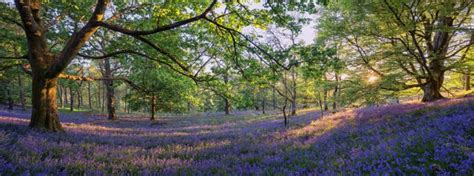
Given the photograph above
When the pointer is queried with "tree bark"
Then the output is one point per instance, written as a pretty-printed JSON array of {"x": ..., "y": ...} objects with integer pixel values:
[
  {"x": 89, "y": 96},
  {"x": 274, "y": 101},
  {"x": 467, "y": 81},
  {"x": 71, "y": 99},
  {"x": 60, "y": 93},
  {"x": 226, "y": 106},
  {"x": 153, "y": 107},
  {"x": 64, "y": 90},
  {"x": 9, "y": 98},
  {"x": 335, "y": 93},
  {"x": 47, "y": 66},
  {"x": 293, "y": 93},
  {"x": 44, "y": 114},
  {"x": 109, "y": 84}
]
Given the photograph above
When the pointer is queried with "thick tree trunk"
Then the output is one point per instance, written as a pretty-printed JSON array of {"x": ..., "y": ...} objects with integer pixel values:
[
  {"x": 22, "y": 94},
  {"x": 431, "y": 91},
  {"x": 47, "y": 66},
  {"x": 44, "y": 114},
  {"x": 153, "y": 107}
]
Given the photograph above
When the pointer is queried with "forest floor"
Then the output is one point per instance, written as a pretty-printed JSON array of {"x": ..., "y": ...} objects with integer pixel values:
[{"x": 429, "y": 138}]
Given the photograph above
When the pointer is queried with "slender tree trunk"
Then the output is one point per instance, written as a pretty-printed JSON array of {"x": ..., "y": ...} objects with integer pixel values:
[
  {"x": 325, "y": 97},
  {"x": 293, "y": 93},
  {"x": 467, "y": 81},
  {"x": 335, "y": 93},
  {"x": 285, "y": 116},
  {"x": 79, "y": 97},
  {"x": 321, "y": 105},
  {"x": 263, "y": 104},
  {"x": 64, "y": 90},
  {"x": 99, "y": 96},
  {"x": 60, "y": 93},
  {"x": 274, "y": 101},
  {"x": 22, "y": 94},
  {"x": 104, "y": 97},
  {"x": 153, "y": 107},
  {"x": 71, "y": 99},
  {"x": 44, "y": 112},
  {"x": 109, "y": 84},
  {"x": 189, "y": 106},
  {"x": 89, "y": 96},
  {"x": 9, "y": 98}
]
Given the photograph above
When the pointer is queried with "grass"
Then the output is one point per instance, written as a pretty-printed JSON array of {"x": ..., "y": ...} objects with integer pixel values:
[{"x": 409, "y": 138}]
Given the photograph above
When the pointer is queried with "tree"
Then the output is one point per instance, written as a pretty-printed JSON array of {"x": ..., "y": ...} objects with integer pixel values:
[
  {"x": 47, "y": 65},
  {"x": 408, "y": 44}
]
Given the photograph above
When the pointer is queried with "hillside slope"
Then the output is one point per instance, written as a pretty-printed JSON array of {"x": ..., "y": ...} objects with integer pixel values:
[{"x": 403, "y": 138}]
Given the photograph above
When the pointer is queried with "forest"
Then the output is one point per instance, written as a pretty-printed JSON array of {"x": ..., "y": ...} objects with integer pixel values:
[{"x": 236, "y": 87}]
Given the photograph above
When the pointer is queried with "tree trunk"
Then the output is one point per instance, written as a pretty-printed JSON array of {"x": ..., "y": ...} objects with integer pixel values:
[
  {"x": 71, "y": 99},
  {"x": 274, "y": 101},
  {"x": 431, "y": 91},
  {"x": 46, "y": 66},
  {"x": 111, "y": 101},
  {"x": 293, "y": 93},
  {"x": 263, "y": 104},
  {"x": 153, "y": 107},
  {"x": 60, "y": 93},
  {"x": 467, "y": 81},
  {"x": 226, "y": 106},
  {"x": 22, "y": 94},
  {"x": 44, "y": 114},
  {"x": 99, "y": 97},
  {"x": 335, "y": 93},
  {"x": 325, "y": 102},
  {"x": 9, "y": 98},
  {"x": 109, "y": 85},
  {"x": 79, "y": 98},
  {"x": 89, "y": 96},
  {"x": 285, "y": 116},
  {"x": 64, "y": 90}
]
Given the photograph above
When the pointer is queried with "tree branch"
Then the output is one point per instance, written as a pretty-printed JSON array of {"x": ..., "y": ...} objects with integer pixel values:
[{"x": 158, "y": 29}]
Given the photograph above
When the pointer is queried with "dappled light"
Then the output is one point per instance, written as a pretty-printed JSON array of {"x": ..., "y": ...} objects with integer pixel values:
[{"x": 221, "y": 87}]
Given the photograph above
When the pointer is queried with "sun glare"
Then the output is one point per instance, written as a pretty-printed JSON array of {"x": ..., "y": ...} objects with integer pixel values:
[{"x": 372, "y": 79}]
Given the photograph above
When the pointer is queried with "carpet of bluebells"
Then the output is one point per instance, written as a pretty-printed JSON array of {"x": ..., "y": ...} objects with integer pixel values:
[{"x": 398, "y": 139}]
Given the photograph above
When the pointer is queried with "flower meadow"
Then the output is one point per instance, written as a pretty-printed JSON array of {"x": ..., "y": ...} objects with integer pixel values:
[{"x": 398, "y": 139}]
